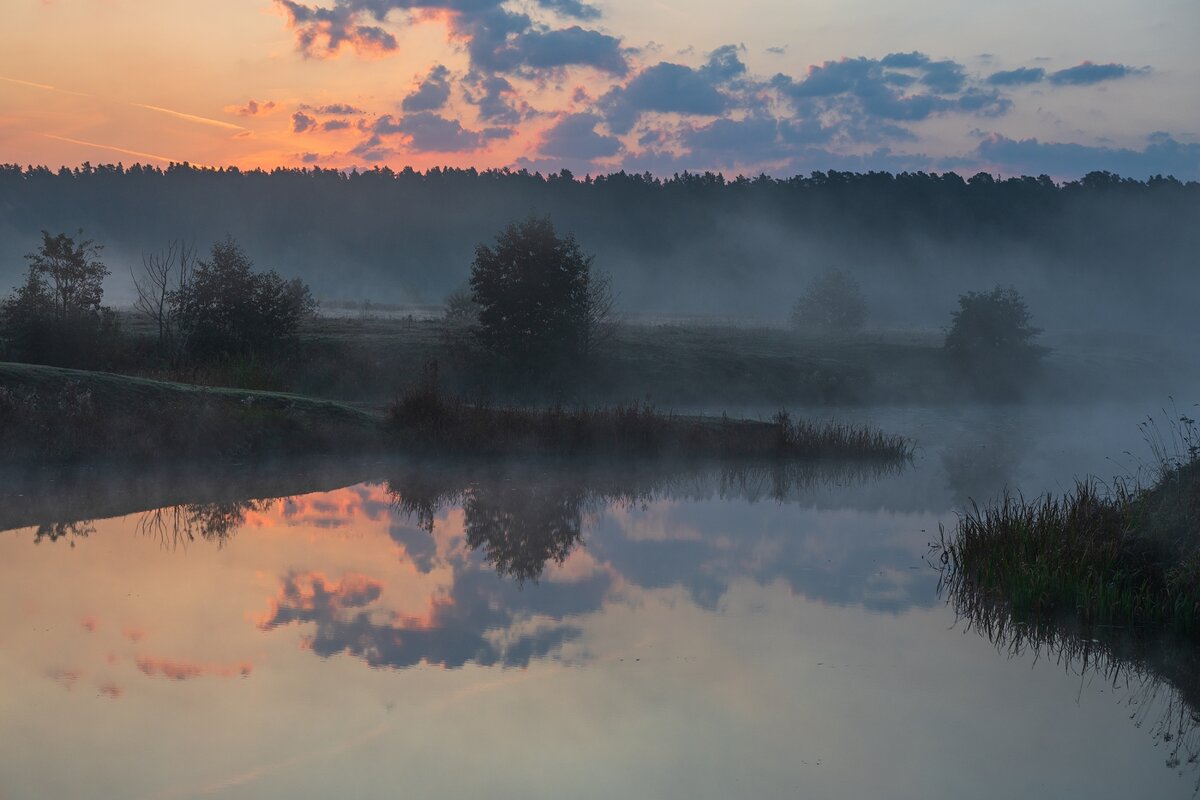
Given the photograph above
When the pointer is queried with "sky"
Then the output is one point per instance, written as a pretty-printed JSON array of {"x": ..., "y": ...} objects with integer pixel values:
[{"x": 594, "y": 86}]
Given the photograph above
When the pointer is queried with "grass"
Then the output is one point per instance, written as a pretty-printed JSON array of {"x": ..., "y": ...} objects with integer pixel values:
[
  {"x": 50, "y": 413},
  {"x": 425, "y": 417},
  {"x": 1123, "y": 556},
  {"x": 54, "y": 414}
]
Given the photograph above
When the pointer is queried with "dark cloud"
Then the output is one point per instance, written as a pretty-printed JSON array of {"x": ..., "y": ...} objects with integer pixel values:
[
  {"x": 335, "y": 125},
  {"x": 1162, "y": 155},
  {"x": 428, "y": 132},
  {"x": 1017, "y": 77},
  {"x": 333, "y": 109},
  {"x": 498, "y": 40},
  {"x": 724, "y": 64},
  {"x": 944, "y": 77},
  {"x": 571, "y": 8},
  {"x": 572, "y": 46},
  {"x": 302, "y": 122},
  {"x": 253, "y": 108},
  {"x": 665, "y": 87},
  {"x": 574, "y": 137},
  {"x": 496, "y": 100},
  {"x": 1088, "y": 73},
  {"x": 457, "y": 630},
  {"x": 432, "y": 94},
  {"x": 321, "y": 32}
]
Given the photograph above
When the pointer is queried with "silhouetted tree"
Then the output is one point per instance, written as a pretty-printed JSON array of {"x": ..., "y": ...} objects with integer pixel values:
[
  {"x": 538, "y": 300},
  {"x": 163, "y": 272},
  {"x": 55, "y": 317},
  {"x": 229, "y": 310},
  {"x": 990, "y": 340},
  {"x": 833, "y": 303}
]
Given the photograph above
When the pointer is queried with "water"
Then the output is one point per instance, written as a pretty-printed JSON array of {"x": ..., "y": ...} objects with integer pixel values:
[{"x": 392, "y": 630}]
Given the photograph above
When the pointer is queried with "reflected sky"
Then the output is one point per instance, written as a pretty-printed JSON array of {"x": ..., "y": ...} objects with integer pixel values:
[{"x": 518, "y": 634}]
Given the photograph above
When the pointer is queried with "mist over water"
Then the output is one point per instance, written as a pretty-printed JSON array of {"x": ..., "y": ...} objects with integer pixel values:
[{"x": 696, "y": 629}]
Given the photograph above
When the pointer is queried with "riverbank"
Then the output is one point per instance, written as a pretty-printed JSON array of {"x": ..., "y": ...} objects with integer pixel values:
[
  {"x": 49, "y": 414},
  {"x": 1122, "y": 556}
]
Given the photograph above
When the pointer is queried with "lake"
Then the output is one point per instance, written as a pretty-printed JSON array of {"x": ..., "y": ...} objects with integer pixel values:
[{"x": 550, "y": 630}]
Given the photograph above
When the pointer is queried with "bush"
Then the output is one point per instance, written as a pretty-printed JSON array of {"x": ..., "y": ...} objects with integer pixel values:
[
  {"x": 538, "y": 301},
  {"x": 833, "y": 303},
  {"x": 55, "y": 317},
  {"x": 227, "y": 312},
  {"x": 990, "y": 341}
]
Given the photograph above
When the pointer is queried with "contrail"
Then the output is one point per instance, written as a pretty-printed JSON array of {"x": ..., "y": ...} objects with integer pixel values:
[
  {"x": 191, "y": 117},
  {"x": 180, "y": 114},
  {"x": 118, "y": 149},
  {"x": 29, "y": 83}
]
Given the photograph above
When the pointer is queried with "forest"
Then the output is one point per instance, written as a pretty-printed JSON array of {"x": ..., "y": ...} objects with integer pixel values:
[{"x": 692, "y": 243}]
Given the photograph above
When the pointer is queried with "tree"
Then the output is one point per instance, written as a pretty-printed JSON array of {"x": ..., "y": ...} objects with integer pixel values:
[
  {"x": 163, "y": 272},
  {"x": 228, "y": 310},
  {"x": 538, "y": 299},
  {"x": 990, "y": 340},
  {"x": 56, "y": 316},
  {"x": 832, "y": 304}
]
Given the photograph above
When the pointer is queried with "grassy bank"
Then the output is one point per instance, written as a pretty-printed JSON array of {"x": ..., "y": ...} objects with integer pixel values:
[
  {"x": 53, "y": 414},
  {"x": 694, "y": 364},
  {"x": 1125, "y": 556}
]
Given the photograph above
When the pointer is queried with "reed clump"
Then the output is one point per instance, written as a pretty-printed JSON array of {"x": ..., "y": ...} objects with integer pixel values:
[
  {"x": 1119, "y": 555},
  {"x": 425, "y": 417}
]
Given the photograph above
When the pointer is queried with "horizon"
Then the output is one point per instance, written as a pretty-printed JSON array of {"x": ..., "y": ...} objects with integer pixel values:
[{"x": 599, "y": 87}]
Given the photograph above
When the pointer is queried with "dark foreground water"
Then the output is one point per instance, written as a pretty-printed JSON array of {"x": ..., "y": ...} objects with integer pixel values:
[{"x": 542, "y": 631}]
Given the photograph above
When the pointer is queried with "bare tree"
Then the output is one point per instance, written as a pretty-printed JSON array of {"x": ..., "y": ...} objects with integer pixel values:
[
  {"x": 601, "y": 312},
  {"x": 163, "y": 273}
]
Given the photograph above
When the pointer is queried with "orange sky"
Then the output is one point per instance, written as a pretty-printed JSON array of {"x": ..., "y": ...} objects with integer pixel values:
[{"x": 241, "y": 82}]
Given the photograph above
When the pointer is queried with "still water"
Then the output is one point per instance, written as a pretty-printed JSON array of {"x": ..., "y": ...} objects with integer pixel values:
[{"x": 555, "y": 630}]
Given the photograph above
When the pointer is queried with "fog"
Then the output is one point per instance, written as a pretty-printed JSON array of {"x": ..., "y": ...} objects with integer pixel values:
[{"x": 1100, "y": 253}]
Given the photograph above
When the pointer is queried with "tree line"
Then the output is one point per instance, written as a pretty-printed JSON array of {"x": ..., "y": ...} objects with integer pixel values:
[{"x": 410, "y": 234}]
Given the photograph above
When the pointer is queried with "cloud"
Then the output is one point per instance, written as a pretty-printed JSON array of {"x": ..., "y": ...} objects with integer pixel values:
[
  {"x": 1161, "y": 155},
  {"x": 178, "y": 670},
  {"x": 432, "y": 94},
  {"x": 333, "y": 109},
  {"x": 455, "y": 630},
  {"x": 495, "y": 99},
  {"x": 664, "y": 87},
  {"x": 1087, "y": 73},
  {"x": 571, "y": 8},
  {"x": 302, "y": 122},
  {"x": 498, "y": 40},
  {"x": 1017, "y": 77},
  {"x": 574, "y": 137},
  {"x": 724, "y": 64},
  {"x": 252, "y": 108},
  {"x": 335, "y": 125},
  {"x": 322, "y": 32},
  {"x": 426, "y": 132},
  {"x": 566, "y": 47}
]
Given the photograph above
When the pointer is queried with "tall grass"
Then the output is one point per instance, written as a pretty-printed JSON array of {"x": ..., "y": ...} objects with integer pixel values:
[
  {"x": 1121, "y": 555},
  {"x": 426, "y": 417}
]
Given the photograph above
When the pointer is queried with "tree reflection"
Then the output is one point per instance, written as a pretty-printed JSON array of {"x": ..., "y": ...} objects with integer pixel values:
[
  {"x": 523, "y": 515},
  {"x": 521, "y": 526},
  {"x": 181, "y": 524},
  {"x": 1159, "y": 673},
  {"x": 70, "y": 531}
]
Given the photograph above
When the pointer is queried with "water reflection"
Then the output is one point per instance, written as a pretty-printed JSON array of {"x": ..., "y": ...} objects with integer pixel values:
[{"x": 1159, "y": 674}]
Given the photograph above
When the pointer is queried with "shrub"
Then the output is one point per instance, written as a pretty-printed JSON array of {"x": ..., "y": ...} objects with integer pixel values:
[
  {"x": 833, "y": 303},
  {"x": 539, "y": 302},
  {"x": 228, "y": 312},
  {"x": 990, "y": 341},
  {"x": 55, "y": 317}
]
